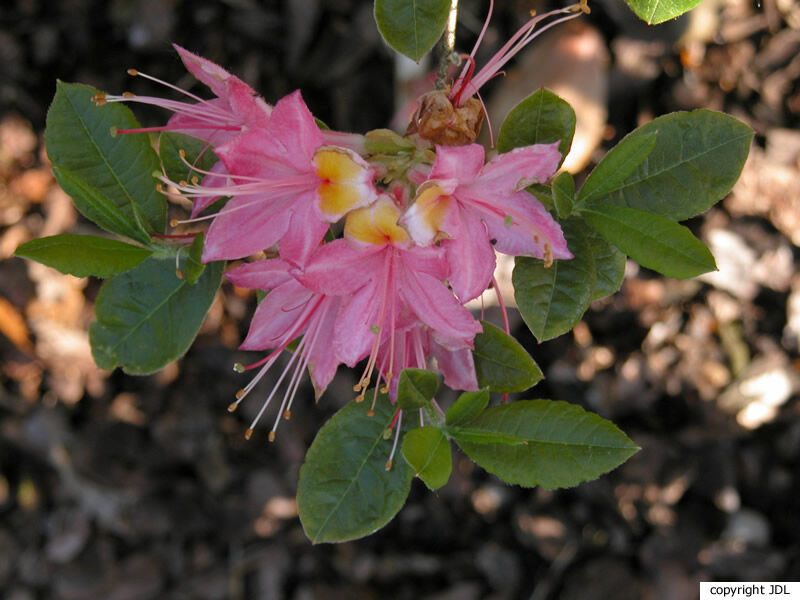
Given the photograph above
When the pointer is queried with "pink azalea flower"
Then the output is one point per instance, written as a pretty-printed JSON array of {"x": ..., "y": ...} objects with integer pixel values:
[
  {"x": 286, "y": 187},
  {"x": 236, "y": 107},
  {"x": 389, "y": 285},
  {"x": 473, "y": 208},
  {"x": 289, "y": 311}
]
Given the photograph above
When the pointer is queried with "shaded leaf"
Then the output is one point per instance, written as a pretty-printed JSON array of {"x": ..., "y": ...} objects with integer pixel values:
[
  {"x": 198, "y": 153},
  {"x": 427, "y": 450},
  {"x": 501, "y": 363},
  {"x": 468, "y": 406},
  {"x": 110, "y": 178},
  {"x": 84, "y": 255},
  {"x": 654, "y": 12},
  {"x": 654, "y": 242},
  {"x": 565, "y": 444},
  {"x": 551, "y": 300},
  {"x": 609, "y": 266},
  {"x": 148, "y": 317},
  {"x": 411, "y": 27},
  {"x": 696, "y": 159},
  {"x": 542, "y": 118},
  {"x": 345, "y": 491},
  {"x": 416, "y": 388},
  {"x": 563, "y": 194}
]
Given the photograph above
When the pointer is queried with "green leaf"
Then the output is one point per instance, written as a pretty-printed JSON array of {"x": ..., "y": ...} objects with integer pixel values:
[
  {"x": 147, "y": 317},
  {"x": 565, "y": 444},
  {"x": 345, "y": 491},
  {"x": 416, "y": 388},
  {"x": 552, "y": 299},
  {"x": 563, "y": 194},
  {"x": 110, "y": 178},
  {"x": 654, "y": 12},
  {"x": 617, "y": 166},
  {"x": 411, "y": 27},
  {"x": 198, "y": 153},
  {"x": 501, "y": 363},
  {"x": 468, "y": 406},
  {"x": 83, "y": 255},
  {"x": 695, "y": 161},
  {"x": 481, "y": 436},
  {"x": 654, "y": 242},
  {"x": 609, "y": 265},
  {"x": 427, "y": 450},
  {"x": 542, "y": 118},
  {"x": 194, "y": 267}
]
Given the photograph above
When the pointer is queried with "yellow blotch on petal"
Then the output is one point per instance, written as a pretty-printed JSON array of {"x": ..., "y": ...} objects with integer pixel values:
[
  {"x": 346, "y": 181},
  {"x": 376, "y": 224},
  {"x": 429, "y": 211}
]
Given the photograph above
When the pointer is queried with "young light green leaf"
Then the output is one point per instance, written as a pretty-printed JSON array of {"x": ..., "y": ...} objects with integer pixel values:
[
  {"x": 427, "y": 450},
  {"x": 411, "y": 27},
  {"x": 501, "y": 363},
  {"x": 468, "y": 406},
  {"x": 695, "y": 161},
  {"x": 109, "y": 177},
  {"x": 563, "y": 194},
  {"x": 653, "y": 241},
  {"x": 617, "y": 166},
  {"x": 609, "y": 265},
  {"x": 552, "y": 299},
  {"x": 565, "y": 444},
  {"x": 416, "y": 388},
  {"x": 542, "y": 118},
  {"x": 148, "y": 317},
  {"x": 654, "y": 12},
  {"x": 345, "y": 491},
  {"x": 194, "y": 266},
  {"x": 84, "y": 255},
  {"x": 196, "y": 152}
]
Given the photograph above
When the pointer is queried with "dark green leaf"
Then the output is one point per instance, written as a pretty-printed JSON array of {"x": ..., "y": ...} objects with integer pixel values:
[
  {"x": 147, "y": 317},
  {"x": 482, "y": 436},
  {"x": 551, "y": 300},
  {"x": 501, "y": 363},
  {"x": 427, "y": 450},
  {"x": 565, "y": 444},
  {"x": 617, "y": 166},
  {"x": 411, "y": 26},
  {"x": 654, "y": 242},
  {"x": 197, "y": 153},
  {"x": 563, "y": 194},
  {"x": 697, "y": 158},
  {"x": 609, "y": 266},
  {"x": 468, "y": 406},
  {"x": 654, "y": 12},
  {"x": 110, "y": 178},
  {"x": 84, "y": 255},
  {"x": 542, "y": 118},
  {"x": 416, "y": 388},
  {"x": 345, "y": 491}
]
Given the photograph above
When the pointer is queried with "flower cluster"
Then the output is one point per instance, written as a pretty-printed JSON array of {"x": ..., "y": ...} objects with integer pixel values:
[{"x": 375, "y": 241}]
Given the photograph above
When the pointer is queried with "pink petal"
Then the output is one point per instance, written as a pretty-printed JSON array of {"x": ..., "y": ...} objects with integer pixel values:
[
  {"x": 530, "y": 222},
  {"x": 252, "y": 110},
  {"x": 457, "y": 366},
  {"x": 304, "y": 233},
  {"x": 471, "y": 258},
  {"x": 293, "y": 126},
  {"x": 261, "y": 274},
  {"x": 323, "y": 361},
  {"x": 246, "y": 225},
  {"x": 437, "y": 308},
  {"x": 204, "y": 70},
  {"x": 458, "y": 162},
  {"x": 339, "y": 268},
  {"x": 517, "y": 169},
  {"x": 257, "y": 154},
  {"x": 353, "y": 334},
  {"x": 276, "y": 317},
  {"x": 426, "y": 259}
]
